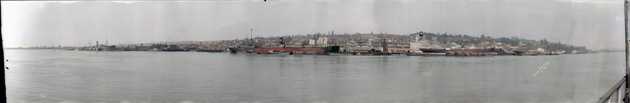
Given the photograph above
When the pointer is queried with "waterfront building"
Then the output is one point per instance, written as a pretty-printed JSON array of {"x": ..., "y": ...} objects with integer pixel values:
[
  {"x": 322, "y": 41},
  {"x": 398, "y": 50},
  {"x": 317, "y": 42},
  {"x": 311, "y": 42}
]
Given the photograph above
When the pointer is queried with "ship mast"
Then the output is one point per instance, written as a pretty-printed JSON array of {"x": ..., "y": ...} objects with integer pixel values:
[{"x": 251, "y": 37}]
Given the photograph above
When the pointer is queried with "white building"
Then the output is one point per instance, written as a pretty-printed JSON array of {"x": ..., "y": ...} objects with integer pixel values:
[
  {"x": 312, "y": 42},
  {"x": 322, "y": 41}
]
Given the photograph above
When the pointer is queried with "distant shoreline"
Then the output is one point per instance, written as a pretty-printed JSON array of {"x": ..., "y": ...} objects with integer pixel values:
[
  {"x": 334, "y": 54},
  {"x": 413, "y": 44}
]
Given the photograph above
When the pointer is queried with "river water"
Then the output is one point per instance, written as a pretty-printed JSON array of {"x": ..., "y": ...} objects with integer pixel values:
[{"x": 59, "y": 76}]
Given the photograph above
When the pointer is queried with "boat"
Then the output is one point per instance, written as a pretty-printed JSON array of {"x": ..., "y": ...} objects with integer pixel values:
[
  {"x": 171, "y": 48},
  {"x": 241, "y": 50},
  {"x": 210, "y": 50}
]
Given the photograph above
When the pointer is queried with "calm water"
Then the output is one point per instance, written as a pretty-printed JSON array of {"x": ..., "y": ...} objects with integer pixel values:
[{"x": 52, "y": 76}]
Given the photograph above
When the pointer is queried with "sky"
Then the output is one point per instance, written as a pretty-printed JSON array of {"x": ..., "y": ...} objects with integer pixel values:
[{"x": 596, "y": 24}]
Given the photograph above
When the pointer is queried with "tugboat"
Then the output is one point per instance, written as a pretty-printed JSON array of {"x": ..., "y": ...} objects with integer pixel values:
[
  {"x": 248, "y": 47},
  {"x": 209, "y": 50},
  {"x": 242, "y": 49}
]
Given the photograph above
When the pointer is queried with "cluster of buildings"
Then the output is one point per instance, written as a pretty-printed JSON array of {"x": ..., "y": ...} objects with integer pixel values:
[
  {"x": 200, "y": 46},
  {"x": 415, "y": 44}
]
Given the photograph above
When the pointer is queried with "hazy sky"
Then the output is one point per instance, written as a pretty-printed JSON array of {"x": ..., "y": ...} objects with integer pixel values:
[{"x": 593, "y": 23}]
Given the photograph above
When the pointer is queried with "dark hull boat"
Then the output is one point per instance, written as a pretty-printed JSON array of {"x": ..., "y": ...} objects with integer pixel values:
[
  {"x": 241, "y": 50},
  {"x": 210, "y": 50},
  {"x": 174, "y": 50}
]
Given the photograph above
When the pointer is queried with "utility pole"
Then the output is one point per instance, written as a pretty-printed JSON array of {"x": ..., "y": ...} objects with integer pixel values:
[
  {"x": 625, "y": 27},
  {"x": 627, "y": 87}
]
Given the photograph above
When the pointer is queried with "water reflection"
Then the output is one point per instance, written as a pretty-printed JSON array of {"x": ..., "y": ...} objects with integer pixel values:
[{"x": 207, "y": 77}]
